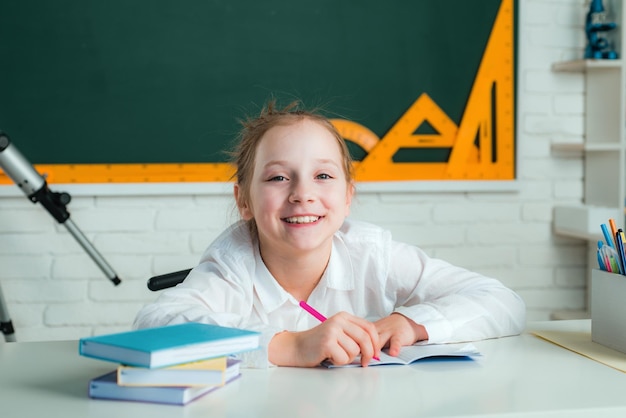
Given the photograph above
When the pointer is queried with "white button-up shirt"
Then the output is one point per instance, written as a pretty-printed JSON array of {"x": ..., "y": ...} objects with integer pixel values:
[{"x": 368, "y": 275}]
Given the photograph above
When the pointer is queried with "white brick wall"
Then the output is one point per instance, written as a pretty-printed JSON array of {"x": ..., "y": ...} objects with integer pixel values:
[{"x": 54, "y": 291}]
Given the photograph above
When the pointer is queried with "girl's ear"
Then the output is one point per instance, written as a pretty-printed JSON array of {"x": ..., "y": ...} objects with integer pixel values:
[
  {"x": 349, "y": 196},
  {"x": 244, "y": 208}
]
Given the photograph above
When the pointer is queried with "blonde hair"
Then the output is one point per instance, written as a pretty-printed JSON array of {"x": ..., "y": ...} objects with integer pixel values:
[{"x": 253, "y": 130}]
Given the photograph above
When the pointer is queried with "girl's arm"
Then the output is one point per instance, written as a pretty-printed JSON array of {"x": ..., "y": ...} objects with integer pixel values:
[
  {"x": 209, "y": 295},
  {"x": 451, "y": 303}
]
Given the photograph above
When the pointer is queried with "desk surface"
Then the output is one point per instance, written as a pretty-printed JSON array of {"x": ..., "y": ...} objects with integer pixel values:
[{"x": 517, "y": 376}]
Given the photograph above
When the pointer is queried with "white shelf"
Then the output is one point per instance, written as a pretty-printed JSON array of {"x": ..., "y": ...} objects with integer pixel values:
[
  {"x": 583, "y": 221},
  {"x": 603, "y": 150}
]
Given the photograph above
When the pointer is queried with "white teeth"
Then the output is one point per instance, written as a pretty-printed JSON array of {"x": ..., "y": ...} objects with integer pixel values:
[{"x": 302, "y": 219}]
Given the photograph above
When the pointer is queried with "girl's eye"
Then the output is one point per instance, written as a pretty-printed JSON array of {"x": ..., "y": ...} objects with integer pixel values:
[
  {"x": 277, "y": 178},
  {"x": 324, "y": 176}
]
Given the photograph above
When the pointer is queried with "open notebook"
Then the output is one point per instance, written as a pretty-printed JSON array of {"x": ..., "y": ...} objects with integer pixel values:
[{"x": 413, "y": 353}]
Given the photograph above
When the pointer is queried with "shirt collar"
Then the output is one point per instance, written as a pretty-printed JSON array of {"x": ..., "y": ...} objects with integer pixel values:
[{"x": 339, "y": 275}]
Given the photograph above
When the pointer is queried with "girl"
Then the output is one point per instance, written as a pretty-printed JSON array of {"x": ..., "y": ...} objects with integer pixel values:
[{"x": 295, "y": 243}]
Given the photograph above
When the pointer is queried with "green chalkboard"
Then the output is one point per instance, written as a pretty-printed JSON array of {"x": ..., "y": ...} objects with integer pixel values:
[{"x": 158, "y": 81}]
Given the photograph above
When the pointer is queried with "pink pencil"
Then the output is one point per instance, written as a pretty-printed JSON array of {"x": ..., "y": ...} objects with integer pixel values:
[
  {"x": 318, "y": 315},
  {"x": 312, "y": 311}
]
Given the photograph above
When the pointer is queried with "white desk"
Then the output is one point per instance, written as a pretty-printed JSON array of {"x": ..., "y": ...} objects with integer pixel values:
[{"x": 517, "y": 376}]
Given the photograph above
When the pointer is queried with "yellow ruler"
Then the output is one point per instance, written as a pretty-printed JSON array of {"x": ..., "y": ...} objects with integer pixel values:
[{"x": 482, "y": 146}]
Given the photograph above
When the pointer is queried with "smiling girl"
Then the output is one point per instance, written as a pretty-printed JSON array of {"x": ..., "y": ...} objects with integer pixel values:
[{"x": 295, "y": 243}]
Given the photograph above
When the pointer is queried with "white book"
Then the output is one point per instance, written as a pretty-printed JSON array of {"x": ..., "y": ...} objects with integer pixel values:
[{"x": 199, "y": 373}]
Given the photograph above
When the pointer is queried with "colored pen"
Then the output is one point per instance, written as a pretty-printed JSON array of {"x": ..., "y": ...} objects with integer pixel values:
[
  {"x": 613, "y": 230},
  {"x": 607, "y": 236},
  {"x": 601, "y": 261},
  {"x": 312, "y": 311},
  {"x": 607, "y": 263},
  {"x": 318, "y": 315},
  {"x": 619, "y": 238},
  {"x": 612, "y": 257},
  {"x": 604, "y": 264}
]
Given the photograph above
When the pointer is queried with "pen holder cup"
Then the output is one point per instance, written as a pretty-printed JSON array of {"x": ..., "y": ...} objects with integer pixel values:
[{"x": 608, "y": 309}]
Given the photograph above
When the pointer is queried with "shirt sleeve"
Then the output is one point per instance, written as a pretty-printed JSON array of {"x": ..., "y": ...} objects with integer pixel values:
[
  {"x": 219, "y": 293},
  {"x": 452, "y": 303}
]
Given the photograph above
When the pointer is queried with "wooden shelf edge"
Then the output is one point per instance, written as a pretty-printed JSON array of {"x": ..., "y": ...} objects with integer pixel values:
[
  {"x": 582, "y": 65},
  {"x": 572, "y": 233},
  {"x": 567, "y": 314},
  {"x": 580, "y": 147},
  {"x": 577, "y": 147}
]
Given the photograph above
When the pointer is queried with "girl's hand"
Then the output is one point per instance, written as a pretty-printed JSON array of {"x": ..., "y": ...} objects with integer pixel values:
[
  {"x": 397, "y": 330},
  {"x": 340, "y": 339}
]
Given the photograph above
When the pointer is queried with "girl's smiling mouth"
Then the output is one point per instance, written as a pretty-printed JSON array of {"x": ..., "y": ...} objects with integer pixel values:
[{"x": 302, "y": 219}]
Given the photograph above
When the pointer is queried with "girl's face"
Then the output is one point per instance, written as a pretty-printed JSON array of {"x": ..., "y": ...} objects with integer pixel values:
[{"x": 299, "y": 194}]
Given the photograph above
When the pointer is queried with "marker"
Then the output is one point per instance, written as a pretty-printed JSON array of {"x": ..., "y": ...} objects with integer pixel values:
[
  {"x": 600, "y": 261},
  {"x": 612, "y": 256},
  {"x": 318, "y": 315},
  {"x": 607, "y": 236},
  {"x": 619, "y": 238},
  {"x": 609, "y": 268},
  {"x": 613, "y": 230},
  {"x": 602, "y": 257}
]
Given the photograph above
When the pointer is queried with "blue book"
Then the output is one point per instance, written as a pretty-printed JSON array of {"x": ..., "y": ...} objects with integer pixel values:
[
  {"x": 106, "y": 387},
  {"x": 169, "y": 345}
]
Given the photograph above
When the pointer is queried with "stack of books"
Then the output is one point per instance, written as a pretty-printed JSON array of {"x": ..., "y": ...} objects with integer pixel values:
[{"x": 173, "y": 364}]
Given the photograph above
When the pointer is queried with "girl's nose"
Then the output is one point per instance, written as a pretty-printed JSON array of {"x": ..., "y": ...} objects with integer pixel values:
[{"x": 301, "y": 192}]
